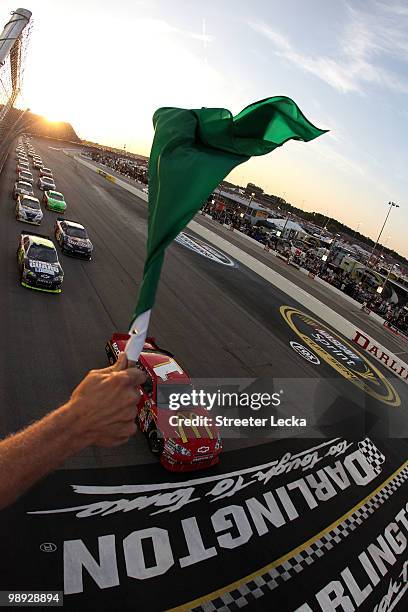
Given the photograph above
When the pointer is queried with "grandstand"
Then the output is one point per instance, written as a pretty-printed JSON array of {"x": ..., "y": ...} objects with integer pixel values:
[
  {"x": 13, "y": 47},
  {"x": 13, "y": 121}
]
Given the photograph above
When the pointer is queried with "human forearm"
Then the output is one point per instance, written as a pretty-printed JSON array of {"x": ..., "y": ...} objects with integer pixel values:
[
  {"x": 101, "y": 412},
  {"x": 31, "y": 454}
]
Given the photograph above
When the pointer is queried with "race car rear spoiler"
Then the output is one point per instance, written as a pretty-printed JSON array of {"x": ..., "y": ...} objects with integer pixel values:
[
  {"x": 69, "y": 220},
  {"x": 30, "y": 233}
]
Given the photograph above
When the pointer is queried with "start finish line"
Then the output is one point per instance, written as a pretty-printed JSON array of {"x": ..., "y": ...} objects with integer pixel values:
[{"x": 320, "y": 526}]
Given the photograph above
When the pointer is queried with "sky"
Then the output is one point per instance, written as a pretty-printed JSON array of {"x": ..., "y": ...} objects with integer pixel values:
[{"x": 107, "y": 66}]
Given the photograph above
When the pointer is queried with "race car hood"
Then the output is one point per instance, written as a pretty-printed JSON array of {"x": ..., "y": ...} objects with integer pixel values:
[
  {"x": 195, "y": 430},
  {"x": 81, "y": 242},
  {"x": 43, "y": 267}
]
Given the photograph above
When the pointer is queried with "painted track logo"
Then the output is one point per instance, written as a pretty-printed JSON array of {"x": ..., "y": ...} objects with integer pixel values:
[
  {"x": 205, "y": 250},
  {"x": 304, "y": 352},
  {"x": 340, "y": 355}
]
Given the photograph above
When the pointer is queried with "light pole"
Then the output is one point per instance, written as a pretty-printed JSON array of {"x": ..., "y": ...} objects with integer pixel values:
[
  {"x": 384, "y": 246},
  {"x": 380, "y": 289},
  {"x": 391, "y": 205}
]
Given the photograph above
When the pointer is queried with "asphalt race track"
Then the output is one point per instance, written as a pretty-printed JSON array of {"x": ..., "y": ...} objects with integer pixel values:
[{"x": 222, "y": 322}]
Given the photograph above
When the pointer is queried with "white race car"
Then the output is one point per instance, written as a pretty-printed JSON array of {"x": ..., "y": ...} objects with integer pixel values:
[{"x": 28, "y": 209}]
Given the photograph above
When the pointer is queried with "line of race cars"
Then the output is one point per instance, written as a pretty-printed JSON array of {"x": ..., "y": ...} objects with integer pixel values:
[
  {"x": 181, "y": 447},
  {"x": 37, "y": 256}
]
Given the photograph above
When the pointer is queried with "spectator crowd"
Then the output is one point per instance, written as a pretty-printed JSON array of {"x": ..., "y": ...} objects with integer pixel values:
[
  {"x": 127, "y": 167},
  {"x": 307, "y": 258}
]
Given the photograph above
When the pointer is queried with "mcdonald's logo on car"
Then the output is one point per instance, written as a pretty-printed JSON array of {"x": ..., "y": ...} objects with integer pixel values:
[{"x": 193, "y": 421}]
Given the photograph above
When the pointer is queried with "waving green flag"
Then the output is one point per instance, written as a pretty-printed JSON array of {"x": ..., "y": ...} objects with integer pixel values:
[{"x": 192, "y": 152}]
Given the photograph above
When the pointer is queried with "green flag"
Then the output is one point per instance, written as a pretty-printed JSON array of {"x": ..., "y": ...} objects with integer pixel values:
[{"x": 192, "y": 152}]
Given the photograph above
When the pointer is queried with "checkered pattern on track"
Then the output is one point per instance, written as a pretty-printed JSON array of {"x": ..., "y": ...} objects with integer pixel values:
[{"x": 248, "y": 592}]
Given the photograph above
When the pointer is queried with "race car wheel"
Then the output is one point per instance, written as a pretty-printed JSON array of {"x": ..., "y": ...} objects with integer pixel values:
[{"x": 155, "y": 441}]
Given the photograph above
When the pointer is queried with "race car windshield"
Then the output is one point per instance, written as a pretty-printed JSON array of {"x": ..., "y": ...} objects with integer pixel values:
[
  {"x": 24, "y": 186},
  {"x": 30, "y": 204},
  {"x": 40, "y": 252},
  {"x": 166, "y": 392},
  {"x": 56, "y": 196},
  {"x": 76, "y": 232}
]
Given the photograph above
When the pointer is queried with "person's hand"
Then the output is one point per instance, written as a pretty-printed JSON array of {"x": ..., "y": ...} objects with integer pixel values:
[{"x": 105, "y": 403}]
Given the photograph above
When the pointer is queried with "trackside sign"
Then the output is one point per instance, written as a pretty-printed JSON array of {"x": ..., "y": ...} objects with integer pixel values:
[{"x": 377, "y": 351}]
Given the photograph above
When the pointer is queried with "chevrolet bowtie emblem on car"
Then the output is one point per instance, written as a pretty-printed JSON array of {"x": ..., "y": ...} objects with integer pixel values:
[{"x": 203, "y": 449}]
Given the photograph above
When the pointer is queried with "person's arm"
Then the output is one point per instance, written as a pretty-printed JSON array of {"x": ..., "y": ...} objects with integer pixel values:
[{"x": 101, "y": 412}]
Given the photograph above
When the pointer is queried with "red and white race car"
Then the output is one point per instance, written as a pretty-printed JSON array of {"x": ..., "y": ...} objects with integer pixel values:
[{"x": 181, "y": 445}]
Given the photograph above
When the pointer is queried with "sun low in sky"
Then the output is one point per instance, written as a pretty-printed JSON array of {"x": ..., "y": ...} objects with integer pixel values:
[{"x": 105, "y": 67}]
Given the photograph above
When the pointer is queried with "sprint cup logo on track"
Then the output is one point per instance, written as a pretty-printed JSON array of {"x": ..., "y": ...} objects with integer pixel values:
[
  {"x": 204, "y": 249},
  {"x": 340, "y": 355}
]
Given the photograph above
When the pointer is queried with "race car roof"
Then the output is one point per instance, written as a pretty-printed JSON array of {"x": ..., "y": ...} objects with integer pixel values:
[
  {"x": 38, "y": 239},
  {"x": 42, "y": 241},
  {"x": 163, "y": 366},
  {"x": 24, "y": 184},
  {"x": 32, "y": 198}
]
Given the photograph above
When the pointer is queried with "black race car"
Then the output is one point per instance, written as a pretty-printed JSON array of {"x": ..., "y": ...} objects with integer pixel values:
[
  {"x": 38, "y": 263},
  {"x": 73, "y": 238}
]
